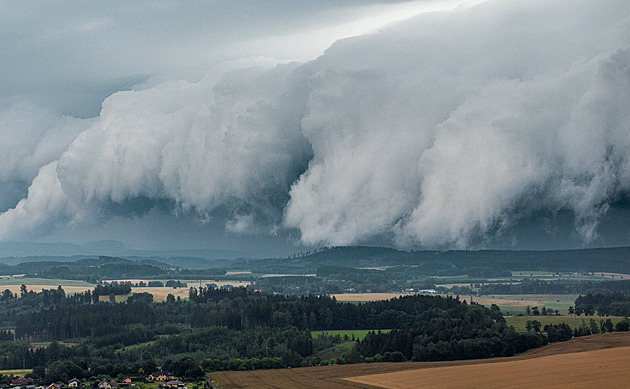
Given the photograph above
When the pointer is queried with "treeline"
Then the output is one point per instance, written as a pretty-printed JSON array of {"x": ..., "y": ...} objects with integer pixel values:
[
  {"x": 528, "y": 286},
  {"x": 440, "y": 340}
]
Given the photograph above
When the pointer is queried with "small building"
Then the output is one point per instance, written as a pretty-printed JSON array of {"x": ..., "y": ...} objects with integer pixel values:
[
  {"x": 53, "y": 386},
  {"x": 126, "y": 380},
  {"x": 161, "y": 376},
  {"x": 74, "y": 383},
  {"x": 175, "y": 384},
  {"x": 107, "y": 385}
]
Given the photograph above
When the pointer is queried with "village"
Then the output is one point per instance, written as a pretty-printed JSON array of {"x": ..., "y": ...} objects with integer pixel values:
[{"x": 157, "y": 379}]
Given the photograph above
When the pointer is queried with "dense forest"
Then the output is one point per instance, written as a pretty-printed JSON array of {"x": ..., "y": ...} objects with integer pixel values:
[
  {"x": 240, "y": 329},
  {"x": 215, "y": 324}
]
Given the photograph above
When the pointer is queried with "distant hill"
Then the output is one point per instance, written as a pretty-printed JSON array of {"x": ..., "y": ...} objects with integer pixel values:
[
  {"x": 105, "y": 247},
  {"x": 473, "y": 263},
  {"x": 615, "y": 259}
]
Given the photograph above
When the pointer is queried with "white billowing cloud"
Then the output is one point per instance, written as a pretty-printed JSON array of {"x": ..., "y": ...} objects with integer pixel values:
[
  {"x": 32, "y": 137},
  {"x": 47, "y": 204},
  {"x": 198, "y": 144},
  {"x": 436, "y": 132},
  {"x": 451, "y": 127}
]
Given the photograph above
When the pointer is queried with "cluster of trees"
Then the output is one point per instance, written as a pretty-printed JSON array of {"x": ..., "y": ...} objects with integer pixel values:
[
  {"x": 440, "y": 340},
  {"x": 113, "y": 288},
  {"x": 605, "y": 304},
  {"x": 543, "y": 311},
  {"x": 460, "y": 332},
  {"x": 562, "y": 332},
  {"x": 5, "y": 379}
]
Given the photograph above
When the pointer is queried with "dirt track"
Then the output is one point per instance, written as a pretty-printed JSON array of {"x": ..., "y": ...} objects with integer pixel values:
[{"x": 545, "y": 363}]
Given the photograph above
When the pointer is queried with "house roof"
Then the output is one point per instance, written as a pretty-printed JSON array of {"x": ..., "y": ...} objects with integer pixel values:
[{"x": 19, "y": 381}]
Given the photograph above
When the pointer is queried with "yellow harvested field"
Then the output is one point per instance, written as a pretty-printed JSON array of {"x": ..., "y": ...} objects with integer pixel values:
[
  {"x": 602, "y": 368},
  {"x": 16, "y": 372},
  {"x": 39, "y": 288},
  {"x": 160, "y": 293},
  {"x": 367, "y": 296},
  {"x": 39, "y": 284},
  {"x": 586, "y": 362}
]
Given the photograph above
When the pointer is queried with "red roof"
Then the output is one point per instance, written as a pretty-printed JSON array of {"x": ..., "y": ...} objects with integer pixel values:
[{"x": 21, "y": 381}]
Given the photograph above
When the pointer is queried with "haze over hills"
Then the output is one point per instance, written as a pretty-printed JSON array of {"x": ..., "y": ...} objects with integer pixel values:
[
  {"x": 106, "y": 247},
  {"x": 451, "y": 262}
]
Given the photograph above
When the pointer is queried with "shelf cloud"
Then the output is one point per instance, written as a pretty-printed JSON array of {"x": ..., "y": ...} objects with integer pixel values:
[{"x": 438, "y": 131}]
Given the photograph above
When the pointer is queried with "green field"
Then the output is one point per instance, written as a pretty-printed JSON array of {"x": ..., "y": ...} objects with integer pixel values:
[
  {"x": 358, "y": 334},
  {"x": 516, "y": 304},
  {"x": 520, "y": 322}
]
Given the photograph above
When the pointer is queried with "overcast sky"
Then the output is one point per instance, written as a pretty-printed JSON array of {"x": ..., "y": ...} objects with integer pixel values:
[{"x": 273, "y": 126}]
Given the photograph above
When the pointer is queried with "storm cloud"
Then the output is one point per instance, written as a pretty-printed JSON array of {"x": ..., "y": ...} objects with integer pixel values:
[{"x": 439, "y": 131}]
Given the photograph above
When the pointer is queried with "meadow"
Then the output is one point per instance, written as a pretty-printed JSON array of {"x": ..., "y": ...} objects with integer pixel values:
[
  {"x": 520, "y": 322},
  {"x": 516, "y": 304}
]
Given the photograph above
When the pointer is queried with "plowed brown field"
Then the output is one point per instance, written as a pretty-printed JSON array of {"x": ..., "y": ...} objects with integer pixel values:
[{"x": 592, "y": 361}]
